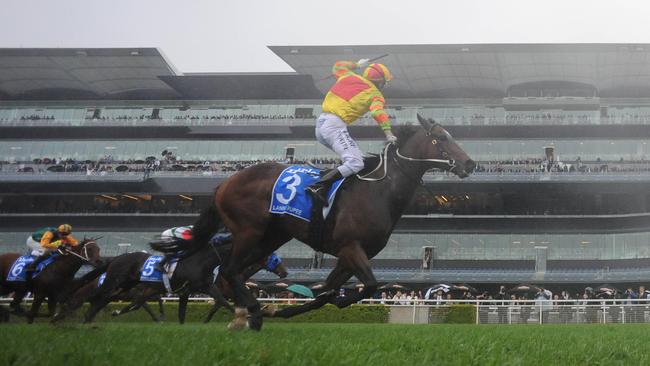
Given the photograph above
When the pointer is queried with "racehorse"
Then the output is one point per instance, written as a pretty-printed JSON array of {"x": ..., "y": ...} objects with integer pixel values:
[
  {"x": 53, "y": 282},
  {"x": 148, "y": 290},
  {"x": 193, "y": 273},
  {"x": 358, "y": 225},
  {"x": 131, "y": 295}
]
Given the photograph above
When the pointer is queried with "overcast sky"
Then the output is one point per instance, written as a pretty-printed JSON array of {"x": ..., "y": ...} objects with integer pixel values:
[{"x": 232, "y": 35}]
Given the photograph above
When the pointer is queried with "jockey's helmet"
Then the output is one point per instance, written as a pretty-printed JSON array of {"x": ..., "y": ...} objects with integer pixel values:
[
  {"x": 378, "y": 74},
  {"x": 64, "y": 229}
]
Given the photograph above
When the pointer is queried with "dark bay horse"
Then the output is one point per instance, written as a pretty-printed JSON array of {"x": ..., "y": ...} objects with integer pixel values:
[
  {"x": 356, "y": 229},
  {"x": 193, "y": 274},
  {"x": 146, "y": 291},
  {"x": 53, "y": 282}
]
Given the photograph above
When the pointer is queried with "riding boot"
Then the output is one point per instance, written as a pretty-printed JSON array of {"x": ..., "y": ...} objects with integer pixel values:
[
  {"x": 31, "y": 268},
  {"x": 160, "y": 266},
  {"x": 320, "y": 189}
]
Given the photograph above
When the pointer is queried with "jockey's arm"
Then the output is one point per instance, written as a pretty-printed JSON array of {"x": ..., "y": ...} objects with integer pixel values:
[
  {"x": 70, "y": 240},
  {"x": 377, "y": 111},
  {"x": 47, "y": 243},
  {"x": 341, "y": 68}
]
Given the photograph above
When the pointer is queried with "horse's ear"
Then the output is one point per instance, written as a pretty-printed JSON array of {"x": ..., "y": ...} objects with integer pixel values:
[{"x": 425, "y": 123}]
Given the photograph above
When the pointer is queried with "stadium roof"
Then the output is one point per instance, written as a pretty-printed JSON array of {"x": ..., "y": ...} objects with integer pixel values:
[
  {"x": 421, "y": 71},
  {"x": 489, "y": 70},
  {"x": 84, "y": 73}
]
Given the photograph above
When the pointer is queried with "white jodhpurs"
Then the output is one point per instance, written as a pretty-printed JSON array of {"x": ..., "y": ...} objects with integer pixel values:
[
  {"x": 34, "y": 246},
  {"x": 332, "y": 132}
]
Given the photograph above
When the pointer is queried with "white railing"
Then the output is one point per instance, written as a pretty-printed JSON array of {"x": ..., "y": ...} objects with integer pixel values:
[{"x": 603, "y": 311}]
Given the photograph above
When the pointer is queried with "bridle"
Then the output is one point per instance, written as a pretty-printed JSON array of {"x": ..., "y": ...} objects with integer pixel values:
[
  {"x": 445, "y": 164},
  {"x": 83, "y": 257}
]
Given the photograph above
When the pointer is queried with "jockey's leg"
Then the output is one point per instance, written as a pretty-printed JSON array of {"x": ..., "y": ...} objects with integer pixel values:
[
  {"x": 333, "y": 133},
  {"x": 32, "y": 266}
]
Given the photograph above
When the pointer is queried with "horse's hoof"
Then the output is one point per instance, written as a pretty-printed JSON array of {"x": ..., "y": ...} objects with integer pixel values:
[
  {"x": 237, "y": 324},
  {"x": 256, "y": 320},
  {"x": 269, "y": 310}
]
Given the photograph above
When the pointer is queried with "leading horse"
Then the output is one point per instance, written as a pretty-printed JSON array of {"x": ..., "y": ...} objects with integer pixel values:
[
  {"x": 356, "y": 229},
  {"x": 53, "y": 282}
]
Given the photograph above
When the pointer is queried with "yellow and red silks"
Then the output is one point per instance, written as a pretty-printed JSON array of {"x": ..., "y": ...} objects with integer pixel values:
[{"x": 352, "y": 96}]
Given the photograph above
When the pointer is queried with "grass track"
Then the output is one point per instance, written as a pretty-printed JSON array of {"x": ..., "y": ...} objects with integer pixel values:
[{"x": 323, "y": 344}]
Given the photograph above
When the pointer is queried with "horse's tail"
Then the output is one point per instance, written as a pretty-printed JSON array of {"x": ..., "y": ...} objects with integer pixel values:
[{"x": 204, "y": 228}]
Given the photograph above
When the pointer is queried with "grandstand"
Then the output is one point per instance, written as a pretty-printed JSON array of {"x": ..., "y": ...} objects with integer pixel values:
[{"x": 122, "y": 145}]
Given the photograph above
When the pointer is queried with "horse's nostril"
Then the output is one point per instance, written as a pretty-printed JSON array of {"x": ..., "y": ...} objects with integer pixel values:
[{"x": 470, "y": 165}]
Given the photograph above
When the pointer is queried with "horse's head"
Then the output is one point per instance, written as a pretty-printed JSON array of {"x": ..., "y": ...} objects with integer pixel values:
[
  {"x": 89, "y": 250},
  {"x": 273, "y": 263},
  {"x": 435, "y": 145}
]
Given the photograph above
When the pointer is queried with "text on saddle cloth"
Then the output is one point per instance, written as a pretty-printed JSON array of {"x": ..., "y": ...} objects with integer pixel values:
[{"x": 289, "y": 195}]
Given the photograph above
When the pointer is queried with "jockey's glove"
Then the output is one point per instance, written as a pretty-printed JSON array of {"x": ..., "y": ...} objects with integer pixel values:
[
  {"x": 390, "y": 138},
  {"x": 362, "y": 63}
]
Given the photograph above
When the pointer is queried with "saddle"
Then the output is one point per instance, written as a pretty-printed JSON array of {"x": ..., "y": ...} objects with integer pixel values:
[{"x": 371, "y": 162}]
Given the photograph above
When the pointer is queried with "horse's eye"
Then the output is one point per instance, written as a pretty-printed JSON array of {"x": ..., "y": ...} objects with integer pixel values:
[{"x": 442, "y": 138}]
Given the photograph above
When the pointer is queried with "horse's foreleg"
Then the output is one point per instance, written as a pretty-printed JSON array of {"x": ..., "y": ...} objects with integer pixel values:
[
  {"x": 51, "y": 305},
  {"x": 15, "y": 302},
  {"x": 339, "y": 275},
  {"x": 36, "y": 304}
]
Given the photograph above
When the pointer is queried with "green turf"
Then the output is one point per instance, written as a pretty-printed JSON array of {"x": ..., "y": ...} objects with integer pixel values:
[{"x": 323, "y": 344}]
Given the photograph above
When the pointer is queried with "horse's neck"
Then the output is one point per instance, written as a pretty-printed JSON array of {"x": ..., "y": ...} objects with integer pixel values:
[
  {"x": 67, "y": 264},
  {"x": 403, "y": 178}
]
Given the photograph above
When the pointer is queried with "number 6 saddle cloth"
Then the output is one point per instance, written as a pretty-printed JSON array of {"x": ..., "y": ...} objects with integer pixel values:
[
  {"x": 18, "y": 273},
  {"x": 289, "y": 196}
]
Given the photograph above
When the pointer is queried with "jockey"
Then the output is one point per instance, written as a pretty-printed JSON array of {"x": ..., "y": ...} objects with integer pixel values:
[
  {"x": 48, "y": 239},
  {"x": 348, "y": 99},
  {"x": 185, "y": 233}
]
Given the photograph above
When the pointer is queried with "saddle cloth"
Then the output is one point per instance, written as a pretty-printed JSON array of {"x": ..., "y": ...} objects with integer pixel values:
[
  {"x": 149, "y": 272},
  {"x": 17, "y": 271},
  {"x": 289, "y": 196}
]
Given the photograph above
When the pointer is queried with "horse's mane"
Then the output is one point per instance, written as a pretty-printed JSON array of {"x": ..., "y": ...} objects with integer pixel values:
[{"x": 404, "y": 132}]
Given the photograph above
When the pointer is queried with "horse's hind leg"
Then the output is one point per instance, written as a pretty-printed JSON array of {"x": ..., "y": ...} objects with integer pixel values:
[
  {"x": 15, "y": 302},
  {"x": 161, "y": 308},
  {"x": 339, "y": 275},
  {"x": 354, "y": 258},
  {"x": 220, "y": 301},
  {"x": 182, "y": 307}
]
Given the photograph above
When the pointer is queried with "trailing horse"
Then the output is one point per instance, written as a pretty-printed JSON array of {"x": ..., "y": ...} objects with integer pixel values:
[
  {"x": 54, "y": 281},
  {"x": 356, "y": 229},
  {"x": 194, "y": 273}
]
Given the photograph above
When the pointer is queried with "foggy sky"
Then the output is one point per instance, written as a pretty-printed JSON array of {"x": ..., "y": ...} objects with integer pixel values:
[{"x": 232, "y": 35}]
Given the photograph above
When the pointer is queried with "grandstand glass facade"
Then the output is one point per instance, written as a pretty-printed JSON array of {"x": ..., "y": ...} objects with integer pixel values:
[
  {"x": 246, "y": 150},
  {"x": 303, "y": 112},
  {"x": 409, "y": 246}
]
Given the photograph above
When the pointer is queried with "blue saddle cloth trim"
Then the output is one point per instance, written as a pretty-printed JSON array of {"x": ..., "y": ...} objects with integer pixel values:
[
  {"x": 149, "y": 273},
  {"x": 289, "y": 196},
  {"x": 101, "y": 279},
  {"x": 17, "y": 271}
]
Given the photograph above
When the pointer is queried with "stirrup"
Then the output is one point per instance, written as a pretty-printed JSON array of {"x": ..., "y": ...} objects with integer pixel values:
[{"x": 317, "y": 193}]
